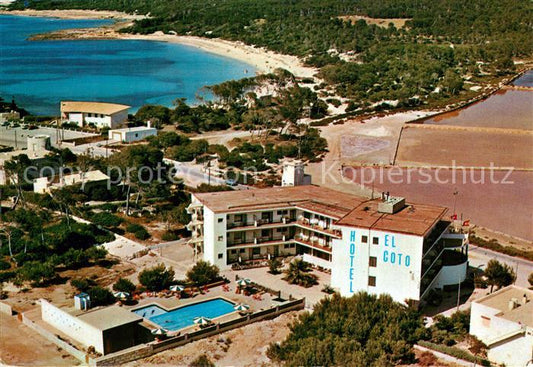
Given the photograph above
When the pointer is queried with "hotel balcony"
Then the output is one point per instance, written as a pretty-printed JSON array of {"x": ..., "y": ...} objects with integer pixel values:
[
  {"x": 318, "y": 226},
  {"x": 449, "y": 269},
  {"x": 193, "y": 207},
  {"x": 259, "y": 241},
  {"x": 441, "y": 228},
  {"x": 259, "y": 223},
  {"x": 313, "y": 242}
]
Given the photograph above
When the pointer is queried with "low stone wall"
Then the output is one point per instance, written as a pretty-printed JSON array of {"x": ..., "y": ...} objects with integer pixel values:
[
  {"x": 6, "y": 309},
  {"x": 142, "y": 351},
  {"x": 79, "y": 355}
]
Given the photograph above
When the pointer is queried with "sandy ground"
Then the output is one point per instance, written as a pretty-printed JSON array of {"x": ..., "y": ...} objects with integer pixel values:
[
  {"x": 263, "y": 60},
  {"x": 20, "y": 346},
  {"x": 247, "y": 348},
  {"x": 471, "y": 147},
  {"x": 74, "y": 14}
]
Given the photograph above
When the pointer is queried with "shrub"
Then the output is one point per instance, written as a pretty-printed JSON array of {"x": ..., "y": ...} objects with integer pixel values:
[
  {"x": 74, "y": 258},
  {"x": 142, "y": 234},
  {"x": 4, "y": 265},
  {"x": 106, "y": 219},
  {"x": 124, "y": 285},
  {"x": 156, "y": 278},
  {"x": 82, "y": 285},
  {"x": 38, "y": 273},
  {"x": 169, "y": 236},
  {"x": 134, "y": 227},
  {"x": 530, "y": 279},
  {"x": 203, "y": 273},
  {"x": 274, "y": 266},
  {"x": 454, "y": 352},
  {"x": 100, "y": 296},
  {"x": 427, "y": 359},
  {"x": 202, "y": 361}
]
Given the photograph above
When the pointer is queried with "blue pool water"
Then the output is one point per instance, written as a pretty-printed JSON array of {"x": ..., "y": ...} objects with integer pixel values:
[
  {"x": 39, "y": 74},
  {"x": 184, "y": 316}
]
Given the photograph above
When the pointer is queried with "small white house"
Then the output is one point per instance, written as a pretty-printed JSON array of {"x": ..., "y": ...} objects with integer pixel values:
[
  {"x": 503, "y": 321},
  {"x": 99, "y": 114},
  {"x": 44, "y": 185},
  {"x": 129, "y": 135}
]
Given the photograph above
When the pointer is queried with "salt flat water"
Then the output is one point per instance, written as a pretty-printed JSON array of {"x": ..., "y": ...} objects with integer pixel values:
[
  {"x": 39, "y": 74},
  {"x": 184, "y": 316}
]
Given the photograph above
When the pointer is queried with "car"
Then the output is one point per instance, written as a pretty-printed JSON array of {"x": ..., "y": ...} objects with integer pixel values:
[
  {"x": 32, "y": 127},
  {"x": 5, "y": 123},
  {"x": 16, "y": 125}
]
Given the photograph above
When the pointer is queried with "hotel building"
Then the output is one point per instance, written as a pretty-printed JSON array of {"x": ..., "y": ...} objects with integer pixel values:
[
  {"x": 380, "y": 246},
  {"x": 99, "y": 114}
]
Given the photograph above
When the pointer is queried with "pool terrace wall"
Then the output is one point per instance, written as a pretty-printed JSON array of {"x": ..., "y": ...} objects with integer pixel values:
[{"x": 146, "y": 350}]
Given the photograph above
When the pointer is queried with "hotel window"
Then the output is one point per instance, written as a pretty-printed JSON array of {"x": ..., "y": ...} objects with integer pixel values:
[
  {"x": 242, "y": 251},
  {"x": 220, "y": 238},
  {"x": 375, "y": 240},
  {"x": 233, "y": 251},
  {"x": 372, "y": 281},
  {"x": 220, "y": 256},
  {"x": 364, "y": 239},
  {"x": 220, "y": 220},
  {"x": 238, "y": 217},
  {"x": 372, "y": 261}
]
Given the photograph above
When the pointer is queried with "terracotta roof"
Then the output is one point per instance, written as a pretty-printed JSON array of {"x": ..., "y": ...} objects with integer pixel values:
[
  {"x": 320, "y": 199},
  {"x": 416, "y": 219},
  {"x": 348, "y": 209},
  {"x": 92, "y": 107}
]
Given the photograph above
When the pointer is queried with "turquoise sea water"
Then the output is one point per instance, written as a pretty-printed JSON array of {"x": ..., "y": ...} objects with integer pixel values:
[
  {"x": 39, "y": 74},
  {"x": 184, "y": 316}
]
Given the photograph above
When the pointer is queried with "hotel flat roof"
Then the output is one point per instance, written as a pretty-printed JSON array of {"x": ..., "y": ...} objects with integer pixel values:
[
  {"x": 499, "y": 300},
  {"x": 109, "y": 317},
  {"x": 416, "y": 219},
  {"x": 349, "y": 210},
  {"x": 92, "y": 107}
]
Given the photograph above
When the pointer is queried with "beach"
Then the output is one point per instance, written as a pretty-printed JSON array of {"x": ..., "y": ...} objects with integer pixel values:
[{"x": 263, "y": 60}]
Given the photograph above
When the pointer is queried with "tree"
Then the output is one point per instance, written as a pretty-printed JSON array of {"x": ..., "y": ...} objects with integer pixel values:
[
  {"x": 452, "y": 82},
  {"x": 124, "y": 285},
  {"x": 156, "y": 278},
  {"x": 274, "y": 266},
  {"x": 298, "y": 273},
  {"x": 363, "y": 330},
  {"x": 39, "y": 273},
  {"x": 203, "y": 273},
  {"x": 530, "y": 279},
  {"x": 100, "y": 296},
  {"x": 499, "y": 275}
]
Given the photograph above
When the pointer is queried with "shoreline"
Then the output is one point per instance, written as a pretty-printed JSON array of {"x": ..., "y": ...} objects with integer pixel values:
[{"x": 263, "y": 60}]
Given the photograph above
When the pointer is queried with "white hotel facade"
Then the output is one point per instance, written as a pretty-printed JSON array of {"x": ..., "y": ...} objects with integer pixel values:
[{"x": 379, "y": 246}]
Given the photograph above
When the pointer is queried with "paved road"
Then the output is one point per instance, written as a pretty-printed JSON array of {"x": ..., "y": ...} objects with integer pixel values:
[
  {"x": 479, "y": 256},
  {"x": 194, "y": 174}
]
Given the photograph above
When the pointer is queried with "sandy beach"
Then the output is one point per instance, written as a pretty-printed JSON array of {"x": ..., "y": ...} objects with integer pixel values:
[{"x": 263, "y": 60}]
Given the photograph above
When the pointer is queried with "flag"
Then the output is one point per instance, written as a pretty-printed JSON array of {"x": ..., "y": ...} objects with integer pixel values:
[
  {"x": 454, "y": 217},
  {"x": 466, "y": 223}
]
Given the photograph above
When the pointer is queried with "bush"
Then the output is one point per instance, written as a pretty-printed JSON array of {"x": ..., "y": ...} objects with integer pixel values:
[
  {"x": 202, "y": 361},
  {"x": 495, "y": 246},
  {"x": 142, "y": 234},
  {"x": 134, "y": 227},
  {"x": 530, "y": 279},
  {"x": 156, "y": 278},
  {"x": 38, "y": 273},
  {"x": 124, "y": 285},
  {"x": 169, "y": 236},
  {"x": 4, "y": 265},
  {"x": 427, "y": 359},
  {"x": 106, "y": 219},
  {"x": 203, "y": 273},
  {"x": 82, "y": 285},
  {"x": 100, "y": 296},
  {"x": 454, "y": 352},
  {"x": 274, "y": 266}
]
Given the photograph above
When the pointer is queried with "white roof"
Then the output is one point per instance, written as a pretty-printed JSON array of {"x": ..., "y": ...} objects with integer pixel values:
[{"x": 137, "y": 128}]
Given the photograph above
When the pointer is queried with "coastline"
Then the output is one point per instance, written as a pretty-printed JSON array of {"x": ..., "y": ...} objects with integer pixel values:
[{"x": 263, "y": 60}]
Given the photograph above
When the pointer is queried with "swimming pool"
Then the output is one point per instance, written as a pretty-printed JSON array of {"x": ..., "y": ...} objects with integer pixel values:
[{"x": 182, "y": 317}]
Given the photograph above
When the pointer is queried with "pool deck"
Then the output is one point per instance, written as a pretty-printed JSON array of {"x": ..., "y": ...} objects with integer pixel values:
[{"x": 172, "y": 302}]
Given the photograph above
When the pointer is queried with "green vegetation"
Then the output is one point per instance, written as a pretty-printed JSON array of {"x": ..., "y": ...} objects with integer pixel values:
[
  {"x": 203, "y": 273},
  {"x": 298, "y": 273},
  {"x": 499, "y": 275},
  {"x": 124, "y": 285},
  {"x": 202, "y": 361},
  {"x": 455, "y": 352},
  {"x": 363, "y": 330},
  {"x": 530, "y": 279},
  {"x": 100, "y": 296},
  {"x": 450, "y": 330},
  {"x": 274, "y": 266},
  {"x": 156, "y": 278},
  {"x": 441, "y": 41}
]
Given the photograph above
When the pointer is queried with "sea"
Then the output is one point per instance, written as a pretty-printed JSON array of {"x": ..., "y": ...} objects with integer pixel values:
[{"x": 39, "y": 74}]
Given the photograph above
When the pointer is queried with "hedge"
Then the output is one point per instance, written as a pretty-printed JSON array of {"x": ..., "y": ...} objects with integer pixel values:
[
  {"x": 455, "y": 352},
  {"x": 495, "y": 246}
]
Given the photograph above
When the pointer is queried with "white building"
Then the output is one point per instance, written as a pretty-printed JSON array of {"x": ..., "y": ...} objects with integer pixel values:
[
  {"x": 503, "y": 321},
  {"x": 44, "y": 185},
  {"x": 129, "y": 135},
  {"x": 108, "y": 329},
  {"x": 38, "y": 148},
  {"x": 379, "y": 246},
  {"x": 294, "y": 173},
  {"x": 99, "y": 114}
]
